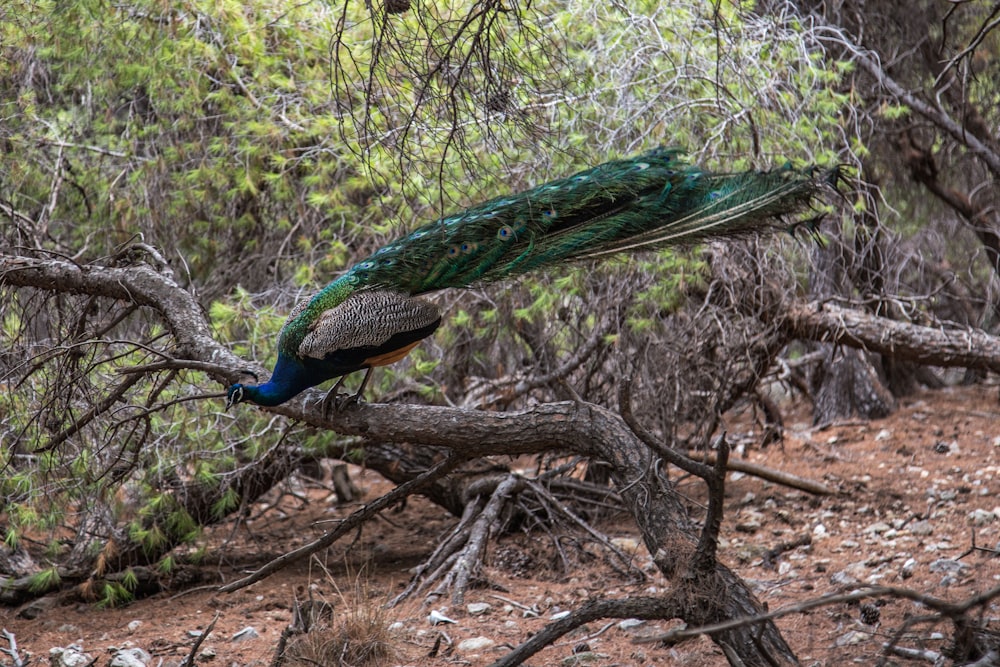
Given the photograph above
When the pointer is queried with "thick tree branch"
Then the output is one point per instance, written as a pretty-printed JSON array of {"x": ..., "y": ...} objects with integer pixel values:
[{"x": 962, "y": 347}]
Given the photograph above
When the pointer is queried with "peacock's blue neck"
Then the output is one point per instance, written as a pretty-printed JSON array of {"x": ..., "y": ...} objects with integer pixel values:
[{"x": 289, "y": 378}]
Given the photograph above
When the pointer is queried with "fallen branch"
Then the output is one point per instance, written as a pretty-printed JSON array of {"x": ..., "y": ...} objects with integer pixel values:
[{"x": 770, "y": 474}]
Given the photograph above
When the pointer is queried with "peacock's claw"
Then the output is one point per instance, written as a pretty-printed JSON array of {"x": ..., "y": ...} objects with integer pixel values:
[{"x": 337, "y": 401}]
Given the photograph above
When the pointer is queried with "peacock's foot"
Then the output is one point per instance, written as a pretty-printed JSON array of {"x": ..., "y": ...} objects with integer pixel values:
[{"x": 336, "y": 401}]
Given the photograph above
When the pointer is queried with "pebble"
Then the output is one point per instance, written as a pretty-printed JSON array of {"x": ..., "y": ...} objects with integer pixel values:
[
  {"x": 246, "y": 633},
  {"x": 922, "y": 527},
  {"x": 478, "y": 608},
  {"x": 559, "y": 615},
  {"x": 907, "y": 570},
  {"x": 948, "y": 565},
  {"x": 130, "y": 657},
  {"x": 134, "y": 625},
  {"x": 207, "y": 654},
  {"x": 980, "y": 517},
  {"x": 878, "y": 527},
  {"x": 475, "y": 644}
]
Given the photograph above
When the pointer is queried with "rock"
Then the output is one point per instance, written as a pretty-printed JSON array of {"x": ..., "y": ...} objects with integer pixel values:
[
  {"x": 949, "y": 566},
  {"x": 907, "y": 570},
  {"x": 67, "y": 629},
  {"x": 585, "y": 658},
  {"x": 246, "y": 633},
  {"x": 397, "y": 627},
  {"x": 877, "y": 528},
  {"x": 558, "y": 615},
  {"x": 630, "y": 624},
  {"x": 36, "y": 608},
  {"x": 134, "y": 625},
  {"x": 884, "y": 434},
  {"x": 849, "y": 576},
  {"x": 750, "y": 524},
  {"x": 980, "y": 517},
  {"x": 922, "y": 527},
  {"x": 206, "y": 655},
  {"x": 851, "y": 638},
  {"x": 478, "y": 608},
  {"x": 130, "y": 657},
  {"x": 629, "y": 545},
  {"x": 474, "y": 644},
  {"x": 70, "y": 656},
  {"x": 819, "y": 532}
]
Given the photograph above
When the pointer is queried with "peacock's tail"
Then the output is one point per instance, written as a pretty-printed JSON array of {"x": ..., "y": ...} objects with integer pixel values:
[{"x": 652, "y": 200}]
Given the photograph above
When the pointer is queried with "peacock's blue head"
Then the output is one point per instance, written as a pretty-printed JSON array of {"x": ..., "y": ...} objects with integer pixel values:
[{"x": 236, "y": 393}]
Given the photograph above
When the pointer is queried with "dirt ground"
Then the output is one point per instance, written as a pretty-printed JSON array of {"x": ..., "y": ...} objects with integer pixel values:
[{"x": 916, "y": 492}]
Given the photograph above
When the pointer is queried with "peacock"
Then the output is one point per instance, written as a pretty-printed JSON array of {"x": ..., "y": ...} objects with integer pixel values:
[{"x": 371, "y": 316}]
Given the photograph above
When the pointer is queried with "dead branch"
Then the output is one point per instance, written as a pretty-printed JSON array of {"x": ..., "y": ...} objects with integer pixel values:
[
  {"x": 770, "y": 474},
  {"x": 953, "y": 346}
]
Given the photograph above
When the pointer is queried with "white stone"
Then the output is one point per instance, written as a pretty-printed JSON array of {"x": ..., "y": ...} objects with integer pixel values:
[
  {"x": 70, "y": 656},
  {"x": 475, "y": 644},
  {"x": 130, "y": 657},
  {"x": 478, "y": 608},
  {"x": 980, "y": 517}
]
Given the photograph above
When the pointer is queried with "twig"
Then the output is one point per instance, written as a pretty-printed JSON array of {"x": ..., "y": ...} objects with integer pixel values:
[
  {"x": 353, "y": 521},
  {"x": 12, "y": 651},
  {"x": 514, "y": 603},
  {"x": 772, "y": 475},
  {"x": 189, "y": 660},
  {"x": 913, "y": 653},
  {"x": 943, "y": 607}
]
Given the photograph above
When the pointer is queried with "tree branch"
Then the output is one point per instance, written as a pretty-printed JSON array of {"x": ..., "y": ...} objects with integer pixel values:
[{"x": 962, "y": 347}]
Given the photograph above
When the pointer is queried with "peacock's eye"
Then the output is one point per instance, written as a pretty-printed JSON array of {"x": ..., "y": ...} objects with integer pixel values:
[{"x": 234, "y": 395}]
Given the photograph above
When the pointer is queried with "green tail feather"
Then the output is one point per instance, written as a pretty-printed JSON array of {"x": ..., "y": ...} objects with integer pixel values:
[{"x": 649, "y": 201}]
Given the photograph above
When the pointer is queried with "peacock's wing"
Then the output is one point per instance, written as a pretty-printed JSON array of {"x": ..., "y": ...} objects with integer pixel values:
[{"x": 368, "y": 329}]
